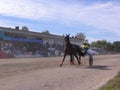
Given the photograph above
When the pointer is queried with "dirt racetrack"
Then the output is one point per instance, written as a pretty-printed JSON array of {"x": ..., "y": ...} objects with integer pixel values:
[{"x": 45, "y": 73}]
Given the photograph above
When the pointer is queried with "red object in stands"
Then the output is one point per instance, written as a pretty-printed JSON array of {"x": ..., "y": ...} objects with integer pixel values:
[{"x": 3, "y": 55}]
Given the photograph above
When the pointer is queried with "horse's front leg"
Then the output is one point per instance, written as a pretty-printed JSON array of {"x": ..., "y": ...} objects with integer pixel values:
[
  {"x": 72, "y": 59},
  {"x": 63, "y": 59}
]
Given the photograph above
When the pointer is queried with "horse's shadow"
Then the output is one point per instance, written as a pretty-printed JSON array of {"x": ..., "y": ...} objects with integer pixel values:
[{"x": 101, "y": 67}]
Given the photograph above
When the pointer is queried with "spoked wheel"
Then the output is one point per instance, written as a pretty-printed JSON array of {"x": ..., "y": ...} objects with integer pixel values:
[{"x": 90, "y": 60}]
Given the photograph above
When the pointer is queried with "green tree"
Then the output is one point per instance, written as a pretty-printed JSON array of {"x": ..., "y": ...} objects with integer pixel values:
[
  {"x": 116, "y": 45},
  {"x": 103, "y": 44},
  {"x": 99, "y": 44},
  {"x": 110, "y": 47}
]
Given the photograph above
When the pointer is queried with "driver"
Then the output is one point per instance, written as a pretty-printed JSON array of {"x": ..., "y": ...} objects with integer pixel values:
[{"x": 85, "y": 47}]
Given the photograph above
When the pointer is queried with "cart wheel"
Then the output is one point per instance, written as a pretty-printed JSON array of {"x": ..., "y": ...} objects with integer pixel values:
[{"x": 90, "y": 60}]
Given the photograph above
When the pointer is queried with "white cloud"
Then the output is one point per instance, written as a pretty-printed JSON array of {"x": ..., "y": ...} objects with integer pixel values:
[
  {"x": 104, "y": 16},
  {"x": 91, "y": 39},
  {"x": 25, "y": 9},
  {"x": 107, "y": 17}
]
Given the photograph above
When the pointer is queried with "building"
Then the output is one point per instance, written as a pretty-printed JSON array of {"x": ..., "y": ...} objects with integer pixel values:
[{"x": 17, "y": 34}]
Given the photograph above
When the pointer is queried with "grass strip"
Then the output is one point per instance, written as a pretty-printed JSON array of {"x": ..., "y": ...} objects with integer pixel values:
[{"x": 113, "y": 84}]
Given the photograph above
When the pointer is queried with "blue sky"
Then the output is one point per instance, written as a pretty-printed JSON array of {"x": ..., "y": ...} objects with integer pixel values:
[{"x": 97, "y": 19}]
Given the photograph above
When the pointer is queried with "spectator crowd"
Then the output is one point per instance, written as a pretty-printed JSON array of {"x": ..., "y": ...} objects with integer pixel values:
[{"x": 11, "y": 49}]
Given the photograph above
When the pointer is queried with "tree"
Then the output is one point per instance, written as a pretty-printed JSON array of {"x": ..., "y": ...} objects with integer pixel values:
[
  {"x": 110, "y": 47},
  {"x": 99, "y": 44},
  {"x": 81, "y": 36},
  {"x": 24, "y": 28},
  {"x": 103, "y": 44},
  {"x": 116, "y": 46},
  {"x": 46, "y": 32}
]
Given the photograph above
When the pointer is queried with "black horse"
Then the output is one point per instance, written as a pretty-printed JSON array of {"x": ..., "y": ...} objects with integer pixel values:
[{"x": 72, "y": 50}]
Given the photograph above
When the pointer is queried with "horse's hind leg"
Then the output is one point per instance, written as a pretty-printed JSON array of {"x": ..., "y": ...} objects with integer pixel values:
[{"x": 80, "y": 59}]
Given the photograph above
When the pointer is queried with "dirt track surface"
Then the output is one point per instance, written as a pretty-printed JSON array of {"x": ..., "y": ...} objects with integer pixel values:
[{"x": 45, "y": 73}]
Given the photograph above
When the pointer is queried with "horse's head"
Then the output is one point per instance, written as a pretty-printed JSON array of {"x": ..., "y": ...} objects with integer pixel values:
[{"x": 67, "y": 38}]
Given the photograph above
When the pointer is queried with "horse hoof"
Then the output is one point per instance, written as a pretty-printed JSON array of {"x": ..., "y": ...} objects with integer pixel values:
[
  {"x": 79, "y": 63},
  {"x": 60, "y": 65},
  {"x": 72, "y": 63}
]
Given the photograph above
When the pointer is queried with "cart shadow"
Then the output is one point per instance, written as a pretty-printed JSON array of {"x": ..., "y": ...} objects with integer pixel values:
[{"x": 101, "y": 67}]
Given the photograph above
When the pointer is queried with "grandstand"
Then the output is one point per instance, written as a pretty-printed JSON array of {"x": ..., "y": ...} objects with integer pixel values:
[{"x": 15, "y": 42}]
